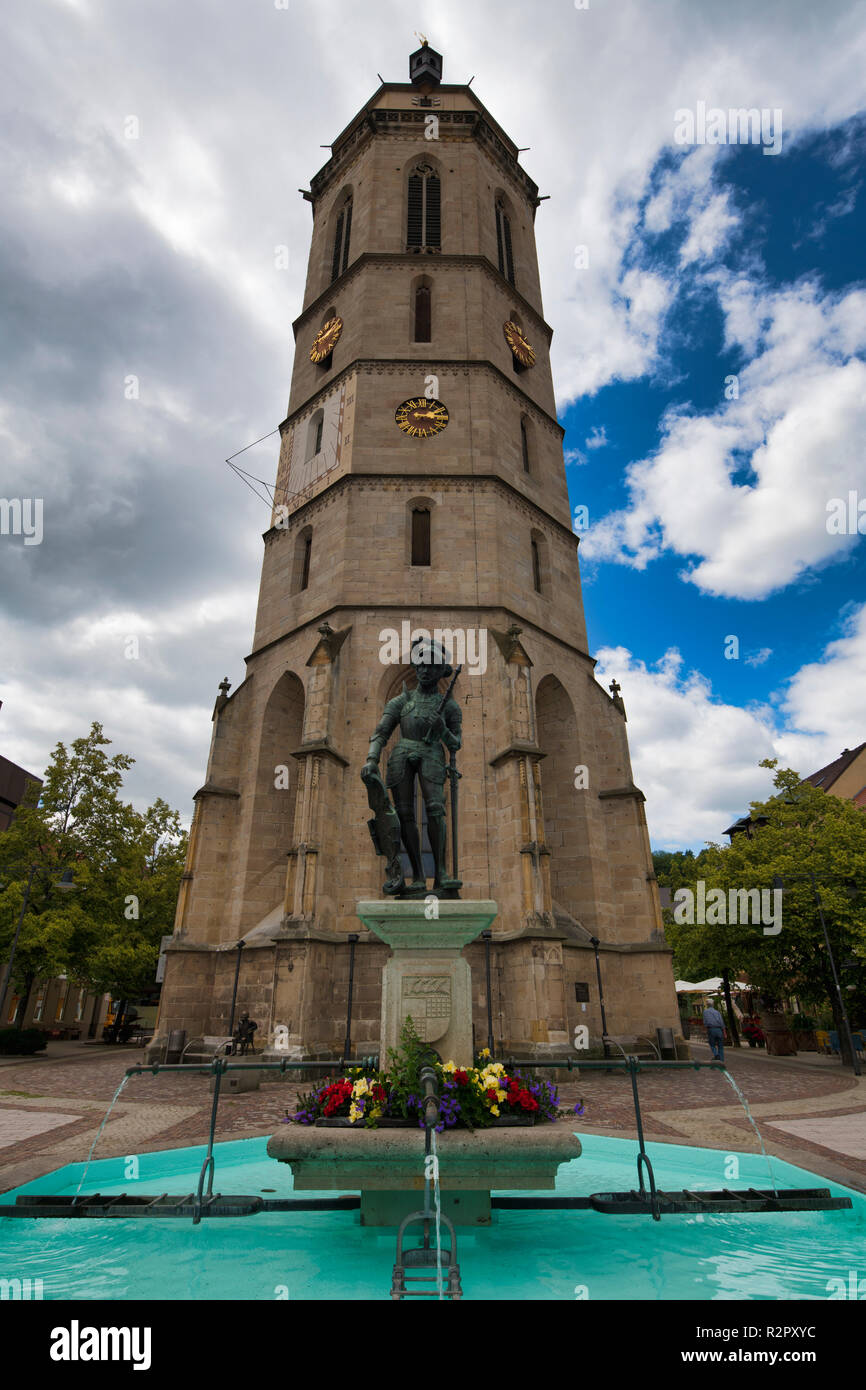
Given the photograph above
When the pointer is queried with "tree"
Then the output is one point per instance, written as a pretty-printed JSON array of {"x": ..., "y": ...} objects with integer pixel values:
[
  {"x": 126, "y": 867},
  {"x": 802, "y": 830}
]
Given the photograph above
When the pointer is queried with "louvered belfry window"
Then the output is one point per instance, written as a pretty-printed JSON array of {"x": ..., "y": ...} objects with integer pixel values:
[
  {"x": 503, "y": 243},
  {"x": 342, "y": 236},
  {"x": 424, "y": 220}
]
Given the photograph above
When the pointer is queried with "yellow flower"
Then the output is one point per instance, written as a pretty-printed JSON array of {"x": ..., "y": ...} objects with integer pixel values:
[
  {"x": 449, "y": 1066},
  {"x": 485, "y": 1052},
  {"x": 500, "y": 1094},
  {"x": 494, "y": 1109}
]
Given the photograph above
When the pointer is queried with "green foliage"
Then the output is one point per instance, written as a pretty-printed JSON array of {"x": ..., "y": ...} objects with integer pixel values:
[
  {"x": 803, "y": 831},
  {"x": 21, "y": 1042},
  {"x": 126, "y": 868},
  {"x": 404, "y": 1067}
]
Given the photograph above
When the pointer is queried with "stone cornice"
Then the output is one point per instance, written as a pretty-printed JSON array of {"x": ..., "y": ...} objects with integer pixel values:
[
  {"x": 440, "y": 365},
  {"x": 334, "y": 609},
  {"x": 518, "y": 749},
  {"x": 415, "y": 262},
  {"x": 622, "y": 791},
  {"x": 458, "y": 482},
  {"x": 211, "y": 789},
  {"x": 321, "y": 748},
  {"x": 373, "y": 120}
]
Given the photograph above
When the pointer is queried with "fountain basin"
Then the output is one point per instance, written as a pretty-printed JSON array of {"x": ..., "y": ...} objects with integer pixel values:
[{"x": 387, "y": 1165}]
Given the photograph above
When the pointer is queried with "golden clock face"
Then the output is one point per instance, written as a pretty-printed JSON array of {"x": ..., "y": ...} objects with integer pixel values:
[
  {"x": 518, "y": 344},
  {"x": 326, "y": 340},
  {"x": 422, "y": 417}
]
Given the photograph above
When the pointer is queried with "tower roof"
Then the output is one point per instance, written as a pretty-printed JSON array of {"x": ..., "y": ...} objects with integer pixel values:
[{"x": 826, "y": 776}]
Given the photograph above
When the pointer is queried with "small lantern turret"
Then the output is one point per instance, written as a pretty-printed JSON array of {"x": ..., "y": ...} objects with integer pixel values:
[{"x": 425, "y": 65}]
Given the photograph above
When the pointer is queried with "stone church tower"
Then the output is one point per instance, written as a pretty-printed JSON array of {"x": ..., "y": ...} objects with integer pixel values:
[{"x": 421, "y": 485}]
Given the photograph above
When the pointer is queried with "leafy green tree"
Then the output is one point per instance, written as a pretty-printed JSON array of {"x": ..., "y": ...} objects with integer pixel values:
[
  {"x": 126, "y": 868},
  {"x": 799, "y": 830}
]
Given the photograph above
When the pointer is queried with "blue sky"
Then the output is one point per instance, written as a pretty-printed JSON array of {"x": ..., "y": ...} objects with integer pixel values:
[{"x": 796, "y": 224}]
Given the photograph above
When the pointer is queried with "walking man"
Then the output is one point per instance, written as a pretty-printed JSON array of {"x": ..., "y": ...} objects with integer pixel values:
[{"x": 715, "y": 1026}]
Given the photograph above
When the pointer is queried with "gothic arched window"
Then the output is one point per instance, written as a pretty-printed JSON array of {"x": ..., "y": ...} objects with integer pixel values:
[
  {"x": 423, "y": 314},
  {"x": 504, "y": 249},
  {"x": 424, "y": 214},
  {"x": 342, "y": 237}
]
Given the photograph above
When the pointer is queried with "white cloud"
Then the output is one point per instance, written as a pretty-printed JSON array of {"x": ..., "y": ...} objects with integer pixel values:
[
  {"x": 800, "y": 419},
  {"x": 597, "y": 439},
  {"x": 696, "y": 757},
  {"x": 760, "y": 657}
]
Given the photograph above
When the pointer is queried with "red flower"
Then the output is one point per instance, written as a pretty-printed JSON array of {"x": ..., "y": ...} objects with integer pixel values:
[
  {"x": 491, "y": 1092},
  {"x": 461, "y": 1078}
]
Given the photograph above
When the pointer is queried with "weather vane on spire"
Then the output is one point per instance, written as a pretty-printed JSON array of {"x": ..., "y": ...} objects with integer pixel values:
[{"x": 423, "y": 38}]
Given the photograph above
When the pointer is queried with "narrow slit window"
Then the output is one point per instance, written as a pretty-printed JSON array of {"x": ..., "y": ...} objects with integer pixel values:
[
  {"x": 536, "y": 567},
  {"x": 524, "y": 444},
  {"x": 504, "y": 248},
  {"x": 305, "y": 561},
  {"x": 423, "y": 314},
  {"x": 420, "y": 536},
  {"x": 342, "y": 236}
]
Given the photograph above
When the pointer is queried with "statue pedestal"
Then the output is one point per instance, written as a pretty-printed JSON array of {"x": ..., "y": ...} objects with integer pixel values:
[{"x": 426, "y": 978}]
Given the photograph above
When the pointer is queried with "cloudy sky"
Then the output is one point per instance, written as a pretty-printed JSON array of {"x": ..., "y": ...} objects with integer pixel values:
[{"x": 710, "y": 353}]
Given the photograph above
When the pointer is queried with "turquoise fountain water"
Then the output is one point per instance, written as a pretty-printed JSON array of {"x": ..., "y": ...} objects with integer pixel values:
[{"x": 523, "y": 1254}]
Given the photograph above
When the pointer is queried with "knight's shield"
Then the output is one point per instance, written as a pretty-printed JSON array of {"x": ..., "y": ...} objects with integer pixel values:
[{"x": 426, "y": 999}]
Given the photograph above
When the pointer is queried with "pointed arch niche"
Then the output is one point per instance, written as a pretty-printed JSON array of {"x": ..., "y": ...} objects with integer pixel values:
[
  {"x": 565, "y": 808},
  {"x": 275, "y": 799}
]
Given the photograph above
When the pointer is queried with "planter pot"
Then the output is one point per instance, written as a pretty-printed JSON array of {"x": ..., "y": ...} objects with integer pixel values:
[
  {"x": 343, "y": 1122},
  {"x": 806, "y": 1041},
  {"x": 778, "y": 1036}
]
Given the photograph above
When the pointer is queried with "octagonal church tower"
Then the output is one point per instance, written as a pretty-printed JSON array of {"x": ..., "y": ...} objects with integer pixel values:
[{"x": 421, "y": 486}]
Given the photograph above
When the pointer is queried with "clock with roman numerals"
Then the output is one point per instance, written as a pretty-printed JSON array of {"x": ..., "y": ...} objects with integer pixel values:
[{"x": 421, "y": 417}]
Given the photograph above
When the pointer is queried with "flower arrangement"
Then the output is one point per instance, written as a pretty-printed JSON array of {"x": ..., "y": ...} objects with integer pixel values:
[{"x": 469, "y": 1097}]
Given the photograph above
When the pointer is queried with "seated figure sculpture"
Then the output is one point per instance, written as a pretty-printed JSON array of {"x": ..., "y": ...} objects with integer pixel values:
[{"x": 427, "y": 721}]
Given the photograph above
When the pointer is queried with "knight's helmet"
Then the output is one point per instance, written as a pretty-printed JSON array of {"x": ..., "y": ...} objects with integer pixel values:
[{"x": 427, "y": 652}]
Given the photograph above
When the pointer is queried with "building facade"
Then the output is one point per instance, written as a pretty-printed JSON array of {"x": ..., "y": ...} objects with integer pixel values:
[{"x": 421, "y": 487}]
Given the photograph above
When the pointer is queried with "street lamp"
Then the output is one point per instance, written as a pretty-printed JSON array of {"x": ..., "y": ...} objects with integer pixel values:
[
  {"x": 779, "y": 882},
  {"x": 354, "y": 938},
  {"x": 65, "y": 884},
  {"x": 594, "y": 942},
  {"x": 487, "y": 937}
]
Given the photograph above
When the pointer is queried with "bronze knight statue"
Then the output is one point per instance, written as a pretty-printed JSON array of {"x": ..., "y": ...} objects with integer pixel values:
[{"x": 427, "y": 721}]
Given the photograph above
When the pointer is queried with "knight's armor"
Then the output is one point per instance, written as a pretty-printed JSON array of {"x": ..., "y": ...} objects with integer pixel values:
[{"x": 413, "y": 711}]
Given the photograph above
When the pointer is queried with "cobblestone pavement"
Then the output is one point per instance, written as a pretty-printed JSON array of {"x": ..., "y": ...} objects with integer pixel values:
[{"x": 171, "y": 1111}]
